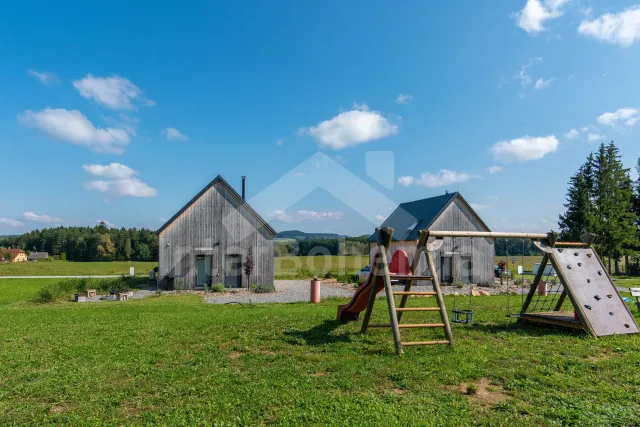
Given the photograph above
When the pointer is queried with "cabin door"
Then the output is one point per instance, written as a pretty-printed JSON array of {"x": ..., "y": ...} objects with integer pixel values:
[
  {"x": 233, "y": 271},
  {"x": 467, "y": 270},
  {"x": 203, "y": 270},
  {"x": 445, "y": 269}
]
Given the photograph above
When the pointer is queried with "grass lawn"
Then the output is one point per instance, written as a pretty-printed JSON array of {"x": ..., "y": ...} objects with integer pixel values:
[
  {"x": 64, "y": 268},
  {"x": 173, "y": 360}
]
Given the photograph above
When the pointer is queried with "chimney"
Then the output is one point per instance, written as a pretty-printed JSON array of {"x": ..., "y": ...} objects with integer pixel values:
[{"x": 244, "y": 180}]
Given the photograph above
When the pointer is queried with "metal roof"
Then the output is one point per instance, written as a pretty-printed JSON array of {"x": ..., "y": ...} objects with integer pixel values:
[
  {"x": 234, "y": 193},
  {"x": 411, "y": 217}
]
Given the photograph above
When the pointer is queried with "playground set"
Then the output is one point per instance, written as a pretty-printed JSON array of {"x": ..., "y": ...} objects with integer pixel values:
[{"x": 580, "y": 276}]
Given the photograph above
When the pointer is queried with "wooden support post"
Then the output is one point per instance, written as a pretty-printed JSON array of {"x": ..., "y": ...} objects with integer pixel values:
[
  {"x": 422, "y": 242},
  {"x": 376, "y": 272},
  {"x": 534, "y": 284},
  {"x": 436, "y": 285},
  {"x": 561, "y": 299},
  {"x": 384, "y": 239}
]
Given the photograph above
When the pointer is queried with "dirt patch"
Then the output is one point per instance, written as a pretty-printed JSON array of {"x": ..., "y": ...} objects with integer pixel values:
[
  {"x": 399, "y": 391},
  {"x": 319, "y": 374},
  {"x": 483, "y": 393},
  {"x": 58, "y": 409},
  {"x": 234, "y": 355},
  {"x": 599, "y": 358}
]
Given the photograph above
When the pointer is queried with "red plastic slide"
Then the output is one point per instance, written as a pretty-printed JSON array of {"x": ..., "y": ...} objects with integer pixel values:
[{"x": 349, "y": 312}]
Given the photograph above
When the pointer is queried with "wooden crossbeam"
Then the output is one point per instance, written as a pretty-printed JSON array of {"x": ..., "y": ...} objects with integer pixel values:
[
  {"x": 408, "y": 325},
  {"x": 417, "y": 308},
  {"x": 414, "y": 293}
]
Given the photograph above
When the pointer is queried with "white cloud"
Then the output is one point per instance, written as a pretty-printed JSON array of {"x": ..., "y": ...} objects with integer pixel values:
[
  {"x": 30, "y": 216},
  {"x": 351, "y": 128},
  {"x": 174, "y": 134},
  {"x": 478, "y": 206},
  {"x": 303, "y": 215},
  {"x": 572, "y": 134},
  {"x": 523, "y": 74},
  {"x": 280, "y": 141},
  {"x": 131, "y": 187},
  {"x": 44, "y": 77},
  {"x": 535, "y": 13},
  {"x": 492, "y": 198},
  {"x": 627, "y": 116},
  {"x": 11, "y": 222},
  {"x": 114, "y": 92},
  {"x": 524, "y": 148},
  {"x": 72, "y": 126},
  {"x": 442, "y": 178},
  {"x": 494, "y": 169},
  {"x": 112, "y": 170},
  {"x": 405, "y": 180},
  {"x": 122, "y": 182},
  {"x": 404, "y": 98},
  {"x": 621, "y": 28},
  {"x": 380, "y": 218},
  {"x": 299, "y": 174},
  {"x": 594, "y": 137},
  {"x": 542, "y": 83},
  {"x": 106, "y": 223}
]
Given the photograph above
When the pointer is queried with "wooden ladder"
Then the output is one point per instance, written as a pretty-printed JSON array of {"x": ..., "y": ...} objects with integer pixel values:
[{"x": 395, "y": 313}]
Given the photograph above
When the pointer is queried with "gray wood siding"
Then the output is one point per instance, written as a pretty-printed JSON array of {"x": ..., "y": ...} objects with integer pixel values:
[
  {"x": 456, "y": 217},
  {"x": 216, "y": 224}
]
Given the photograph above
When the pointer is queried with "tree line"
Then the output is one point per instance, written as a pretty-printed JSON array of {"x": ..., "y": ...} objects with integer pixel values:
[
  {"x": 603, "y": 199},
  {"x": 99, "y": 243},
  {"x": 323, "y": 246}
]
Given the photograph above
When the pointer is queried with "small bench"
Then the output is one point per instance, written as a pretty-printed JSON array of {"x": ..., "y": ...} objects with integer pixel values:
[
  {"x": 122, "y": 296},
  {"x": 91, "y": 293}
]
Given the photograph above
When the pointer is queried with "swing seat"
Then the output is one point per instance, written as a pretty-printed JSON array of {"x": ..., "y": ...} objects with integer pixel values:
[{"x": 462, "y": 316}]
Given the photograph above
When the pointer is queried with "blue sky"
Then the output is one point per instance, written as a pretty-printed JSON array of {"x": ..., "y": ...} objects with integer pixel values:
[{"x": 122, "y": 112}]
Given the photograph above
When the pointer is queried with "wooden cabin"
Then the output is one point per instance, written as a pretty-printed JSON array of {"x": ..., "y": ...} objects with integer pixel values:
[
  {"x": 210, "y": 239},
  {"x": 460, "y": 260}
]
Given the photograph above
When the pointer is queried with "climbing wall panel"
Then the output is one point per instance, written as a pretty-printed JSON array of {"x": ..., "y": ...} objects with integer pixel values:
[{"x": 589, "y": 287}]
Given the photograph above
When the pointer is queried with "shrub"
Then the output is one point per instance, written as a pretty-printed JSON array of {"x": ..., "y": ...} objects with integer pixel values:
[
  {"x": 459, "y": 285},
  {"x": 262, "y": 289},
  {"x": 63, "y": 289},
  {"x": 63, "y": 256},
  {"x": 218, "y": 287},
  {"x": 518, "y": 282},
  {"x": 472, "y": 389}
]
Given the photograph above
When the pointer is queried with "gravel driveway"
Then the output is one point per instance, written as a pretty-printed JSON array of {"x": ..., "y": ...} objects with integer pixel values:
[{"x": 286, "y": 291}]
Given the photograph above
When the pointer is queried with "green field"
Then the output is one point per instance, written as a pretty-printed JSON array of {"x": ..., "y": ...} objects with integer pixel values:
[
  {"x": 65, "y": 268},
  {"x": 174, "y": 360},
  {"x": 300, "y": 267}
]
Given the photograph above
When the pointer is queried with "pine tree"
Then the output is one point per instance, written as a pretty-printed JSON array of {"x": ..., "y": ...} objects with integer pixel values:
[
  {"x": 613, "y": 202},
  {"x": 578, "y": 218}
]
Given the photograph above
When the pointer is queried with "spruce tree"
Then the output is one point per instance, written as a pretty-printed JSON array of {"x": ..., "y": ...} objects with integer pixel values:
[{"x": 578, "y": 218}]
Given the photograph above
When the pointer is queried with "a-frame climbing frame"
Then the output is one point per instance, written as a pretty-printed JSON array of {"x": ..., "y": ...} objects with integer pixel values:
[
  {"x": 381, "y": 269},
  {"x": 599, "y": 308}
]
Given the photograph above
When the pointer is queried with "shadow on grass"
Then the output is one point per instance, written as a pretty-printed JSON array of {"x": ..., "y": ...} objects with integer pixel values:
[
  {"x": 320, "y": 334},
  {"x": 525, "y": 328}
]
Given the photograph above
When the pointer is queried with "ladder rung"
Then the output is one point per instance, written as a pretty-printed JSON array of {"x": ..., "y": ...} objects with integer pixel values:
[
  {"x": 417, "y": 308},
  {"x": 409, "y": 325},
  {"x": 424, "y": 342},
  {"x": 413, "y": 293}
]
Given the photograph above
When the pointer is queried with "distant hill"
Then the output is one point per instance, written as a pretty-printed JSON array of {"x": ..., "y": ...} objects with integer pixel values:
[{"x": 301, "y": 235}]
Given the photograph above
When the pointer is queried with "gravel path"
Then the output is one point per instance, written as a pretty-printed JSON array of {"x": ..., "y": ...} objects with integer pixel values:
[{"x": 286, "y": 291}]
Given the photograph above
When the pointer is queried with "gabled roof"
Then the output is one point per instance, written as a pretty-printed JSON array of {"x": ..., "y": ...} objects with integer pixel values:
[
  {"x": 38, "y": 255},
  {"x": 234, "y": 193},
  {"x": 411, "y": 217},
  {"x": 14, "y": 252}
]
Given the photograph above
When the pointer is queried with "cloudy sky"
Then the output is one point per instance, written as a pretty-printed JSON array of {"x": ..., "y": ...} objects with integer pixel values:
[{"x": 335, "y": 111}]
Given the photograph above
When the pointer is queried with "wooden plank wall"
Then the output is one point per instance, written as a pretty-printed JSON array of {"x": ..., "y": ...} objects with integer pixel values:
[
  {"x": 455, "y": 218},
  {"x": 216, "y": 224}
]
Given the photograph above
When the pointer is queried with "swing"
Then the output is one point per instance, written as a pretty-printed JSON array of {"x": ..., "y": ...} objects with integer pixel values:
[{"x": 460, "y": 315}]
